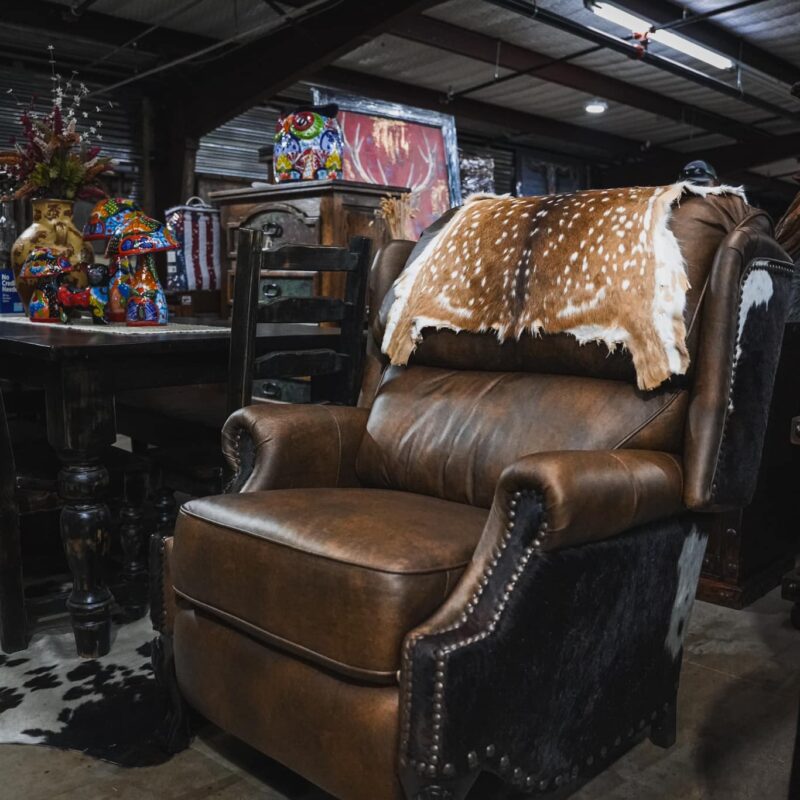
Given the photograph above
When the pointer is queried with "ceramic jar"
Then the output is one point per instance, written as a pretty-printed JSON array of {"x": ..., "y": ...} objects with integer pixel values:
[
  {"x": 53, "y": 228},
  {"x": 308, "y": 145}
]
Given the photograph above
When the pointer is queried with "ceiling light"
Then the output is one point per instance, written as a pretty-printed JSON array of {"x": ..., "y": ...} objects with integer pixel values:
[
  {"x": 638, "y": 25},
  {"x": 596, "y": 107}
]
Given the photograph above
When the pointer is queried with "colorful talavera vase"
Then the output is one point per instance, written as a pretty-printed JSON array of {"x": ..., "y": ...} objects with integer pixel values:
[
  {"x": 105, "y": 218},
  {"x": 42, "y": 271},
  {"x": 142, "y": 236},
  {"x": 308, "y": 145},
  {"x": 52, "y": 228}
]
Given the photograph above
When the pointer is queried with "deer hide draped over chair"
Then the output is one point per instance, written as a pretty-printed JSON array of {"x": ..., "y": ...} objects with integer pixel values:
[{"x": 602, "y": 265}]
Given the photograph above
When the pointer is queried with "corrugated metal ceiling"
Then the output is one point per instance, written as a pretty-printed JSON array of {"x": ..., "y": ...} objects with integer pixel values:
[
  {"x": 409, "y": 62},
  {"x": 773, "y": 25},
  {"x": 213, "y": 18}
]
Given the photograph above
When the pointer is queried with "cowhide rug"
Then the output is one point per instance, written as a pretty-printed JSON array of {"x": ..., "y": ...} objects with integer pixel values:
[
  {"x": 109, "y": 707},
  {"x": 601, "y": 265}
]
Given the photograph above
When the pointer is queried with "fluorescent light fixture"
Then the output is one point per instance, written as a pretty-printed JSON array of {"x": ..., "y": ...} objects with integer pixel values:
[
  {"x": 638, "y": 25},
  {"x": 596, "y": 106}
]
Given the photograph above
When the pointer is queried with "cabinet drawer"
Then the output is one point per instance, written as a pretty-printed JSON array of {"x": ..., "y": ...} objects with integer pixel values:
[
  {"x": 271, "y": 287},
  {"x": 286, "y": 389},
  {"x": 285, "y": 225}
]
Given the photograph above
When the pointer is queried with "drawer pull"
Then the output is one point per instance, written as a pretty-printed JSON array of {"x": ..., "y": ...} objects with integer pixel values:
[
  {"x": 272, "y": 290},
  {"x": 273, "y": 229},
  {"x": 271, "y": 390}
]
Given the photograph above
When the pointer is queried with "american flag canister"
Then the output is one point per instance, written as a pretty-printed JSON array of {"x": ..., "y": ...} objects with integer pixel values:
[{"x": 196, "y": 264}]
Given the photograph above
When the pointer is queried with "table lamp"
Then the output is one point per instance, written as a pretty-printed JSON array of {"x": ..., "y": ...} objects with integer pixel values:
[
  {"x": 141, "y": 236},
  {"x": 108, "y": 215}
]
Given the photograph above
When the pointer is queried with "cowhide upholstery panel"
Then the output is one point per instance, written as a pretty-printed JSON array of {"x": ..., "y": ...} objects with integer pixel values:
[
  {"x": 745, "y": 309},
  {"x": 559, "y": 661},
  {"x": 600, "y": 265}
]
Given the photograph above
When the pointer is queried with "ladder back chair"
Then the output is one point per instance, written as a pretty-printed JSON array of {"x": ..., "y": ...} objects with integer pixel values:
[{"x": 334, "y": 373}]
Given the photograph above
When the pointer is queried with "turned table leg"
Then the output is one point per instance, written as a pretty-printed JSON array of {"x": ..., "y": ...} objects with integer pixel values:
[
  {"x": 80, "y": 427},
  {"x": 133, "y": 539},
  {"x": 85, "y": 521}
]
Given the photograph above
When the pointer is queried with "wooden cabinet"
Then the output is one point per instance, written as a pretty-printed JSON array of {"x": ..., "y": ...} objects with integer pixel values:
[{"x": 308, "y": 212}]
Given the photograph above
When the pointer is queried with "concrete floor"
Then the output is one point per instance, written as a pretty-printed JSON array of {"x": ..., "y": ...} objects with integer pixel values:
[{"x": 738, "y": 710}]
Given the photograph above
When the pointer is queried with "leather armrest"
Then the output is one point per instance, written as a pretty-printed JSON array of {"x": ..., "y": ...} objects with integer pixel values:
[
  {"x": 284, "y": 446},
  {"x": 578, "y": 496},
  {"x": 592, "y": 495}
]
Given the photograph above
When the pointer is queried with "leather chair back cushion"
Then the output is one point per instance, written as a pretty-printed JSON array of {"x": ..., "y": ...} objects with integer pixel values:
[
  {"x": 451, "y": 433},
  {"x": 467, "y": 406}
]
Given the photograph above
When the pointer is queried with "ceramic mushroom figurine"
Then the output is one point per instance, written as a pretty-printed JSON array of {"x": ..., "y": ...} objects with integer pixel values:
[
  {"x": 45, "y": 269},
  {"x": 142, "y": 236},
  {"x": 108, "y": 215}
]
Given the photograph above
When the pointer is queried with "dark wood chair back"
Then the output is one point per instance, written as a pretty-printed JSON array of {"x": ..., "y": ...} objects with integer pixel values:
[
  {"x": 335, "y": 372},
  {"x": 13, "y": 624}
]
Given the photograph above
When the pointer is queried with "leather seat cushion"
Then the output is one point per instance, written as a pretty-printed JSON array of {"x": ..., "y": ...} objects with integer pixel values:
[{"x": 338, "y": 576}]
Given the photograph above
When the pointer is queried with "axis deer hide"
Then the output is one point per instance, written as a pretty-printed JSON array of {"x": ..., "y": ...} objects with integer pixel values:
[{"x": 601, "y": 265}]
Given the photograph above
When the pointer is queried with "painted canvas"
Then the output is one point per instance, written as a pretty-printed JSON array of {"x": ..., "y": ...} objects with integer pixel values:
[
  {"x": 396, "y": 152},
  {"x": 394, "y": 145}
]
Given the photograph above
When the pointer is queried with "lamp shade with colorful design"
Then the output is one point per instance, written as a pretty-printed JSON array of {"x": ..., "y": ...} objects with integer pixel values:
[
  {"x": 107, "y": 215},
  {"x": 42, "y": 262},
  {"x": 140, "y": 235}
]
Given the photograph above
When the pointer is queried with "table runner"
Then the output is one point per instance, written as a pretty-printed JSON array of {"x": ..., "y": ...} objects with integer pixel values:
[{"x": 85, "y": 325}]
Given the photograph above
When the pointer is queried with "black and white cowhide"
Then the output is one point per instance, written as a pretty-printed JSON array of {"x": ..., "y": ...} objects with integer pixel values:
[{"x": 109, "y": 707}]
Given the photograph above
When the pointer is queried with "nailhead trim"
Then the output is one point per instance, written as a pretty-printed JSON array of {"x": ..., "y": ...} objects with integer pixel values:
[
  {"x": 237, "y": 445},
  {"x": 442, "y": 653}
]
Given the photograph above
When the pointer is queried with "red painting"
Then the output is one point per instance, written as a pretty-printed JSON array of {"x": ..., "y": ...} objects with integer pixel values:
[{"x": 398, "y": 152}]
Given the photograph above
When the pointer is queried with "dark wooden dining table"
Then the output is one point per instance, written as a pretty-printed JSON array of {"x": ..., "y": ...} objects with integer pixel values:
[{"x": 81, "y": 372}]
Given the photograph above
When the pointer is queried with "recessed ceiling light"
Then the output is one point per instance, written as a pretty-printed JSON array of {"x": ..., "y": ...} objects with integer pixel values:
[
  {"x": 596, "y": 107},
  {"x": 623, "y": 18}
]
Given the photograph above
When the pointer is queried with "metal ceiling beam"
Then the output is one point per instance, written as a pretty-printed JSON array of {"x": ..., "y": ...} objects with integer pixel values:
[
  {"x": 55, "y": 19},
  {"x": 463, "y": 108},
  {"x": 634, "y": 51},
  {"x": 257, "y": 70},
  {"x": 717, "y": 38},
  {"x": 522, "y": 60}
]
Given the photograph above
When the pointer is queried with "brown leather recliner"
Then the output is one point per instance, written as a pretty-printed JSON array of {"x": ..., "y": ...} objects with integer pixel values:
[{"x": 486, "y": 568}]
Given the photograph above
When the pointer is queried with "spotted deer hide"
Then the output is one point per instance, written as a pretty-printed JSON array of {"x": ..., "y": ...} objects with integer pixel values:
[{"x": 601, "y": 265}]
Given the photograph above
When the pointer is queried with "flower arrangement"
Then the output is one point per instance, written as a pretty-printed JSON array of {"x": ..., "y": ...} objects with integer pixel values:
[{"x": 55, "y": 159}]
